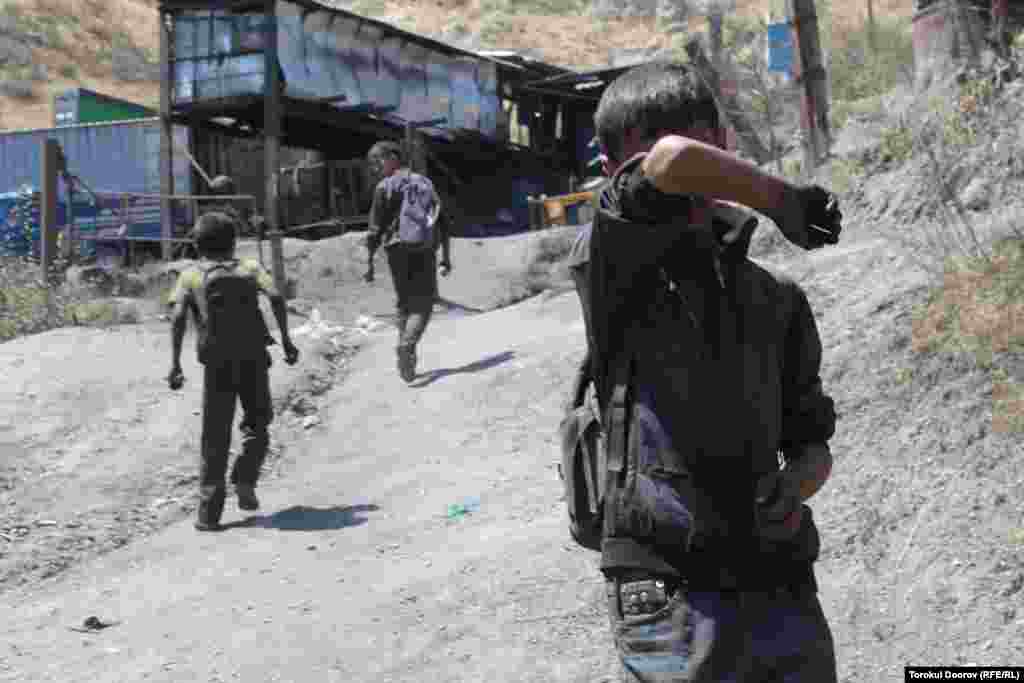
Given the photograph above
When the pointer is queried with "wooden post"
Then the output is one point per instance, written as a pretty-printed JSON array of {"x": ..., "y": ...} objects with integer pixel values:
[
  {"x": 999, "y": 11},
  {"x": 70, "y": 232},
  {"x": 811, "y": 75},
  {"x": 966, "y": 20},
  {"x": 272, "y": 148},
  {"x": 872, "y": 38},
  {"x": 48, "y": 209},
  {"x": 715, "y": 19},
  {"x": 166, "y": 134}
]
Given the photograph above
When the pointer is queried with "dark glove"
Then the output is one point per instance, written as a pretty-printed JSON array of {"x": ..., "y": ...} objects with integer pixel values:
[
  {"x": 446, "y": 268},
  {"x": 823, "y": 217},
  {"x": 291, "y": 354},
  {"x": 809, "y": 217},
  {"x": 778, "y": 506},
  {"x": 176, "y": 379}
]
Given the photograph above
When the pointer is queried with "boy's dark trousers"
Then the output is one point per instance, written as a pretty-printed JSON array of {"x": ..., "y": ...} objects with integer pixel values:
[
  {"x": 680, "y": 636},
  {"x": 247, "y": 381},
  {"x": 414, "y": 272}
]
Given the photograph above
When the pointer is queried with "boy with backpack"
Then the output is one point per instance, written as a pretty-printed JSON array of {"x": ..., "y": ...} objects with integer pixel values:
[
  {"x": 222, "y": 293},
  {"x": 406, "y": 218},
  {"x": 713, "y": 425}
]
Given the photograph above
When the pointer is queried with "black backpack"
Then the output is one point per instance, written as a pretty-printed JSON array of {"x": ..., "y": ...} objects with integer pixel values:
[
  {"x": 230, "y": 323},
  {"x": 592, "y": 459}
]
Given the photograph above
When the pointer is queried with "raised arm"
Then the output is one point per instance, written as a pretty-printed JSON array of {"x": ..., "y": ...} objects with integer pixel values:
[{"x": 807, "y": 216}]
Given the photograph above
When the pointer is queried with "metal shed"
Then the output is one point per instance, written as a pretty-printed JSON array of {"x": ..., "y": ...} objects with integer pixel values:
[{"x": 305, "y": 75}]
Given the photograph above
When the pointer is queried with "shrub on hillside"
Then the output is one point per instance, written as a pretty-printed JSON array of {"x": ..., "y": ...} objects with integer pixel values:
[
  {"x": 26, "y": 307},
  {"x": 857, "y": 72},
  {"x": 18, "y": 88}
]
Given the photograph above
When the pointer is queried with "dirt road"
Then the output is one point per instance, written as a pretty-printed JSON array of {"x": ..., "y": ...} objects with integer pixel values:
[{"x": 356, "y": 571}]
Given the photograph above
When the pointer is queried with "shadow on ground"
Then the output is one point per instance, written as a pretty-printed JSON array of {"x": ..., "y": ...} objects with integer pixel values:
[
  {"x": 441, "y": 305},
  {"x": 305, "y": 518},
  {"x": 432, "y": 376},
  {"x": 455, "y": 307}
]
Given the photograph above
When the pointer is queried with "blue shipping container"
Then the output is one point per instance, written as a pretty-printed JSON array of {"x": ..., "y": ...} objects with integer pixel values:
[
  {"x": 111, "y": 157},
  {"x": 120, "y": 156},
  {"x": 98, "y": 224}
]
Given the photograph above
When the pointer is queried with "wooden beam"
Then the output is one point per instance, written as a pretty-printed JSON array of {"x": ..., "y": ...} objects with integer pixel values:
[{"x": 166, "y": 131}]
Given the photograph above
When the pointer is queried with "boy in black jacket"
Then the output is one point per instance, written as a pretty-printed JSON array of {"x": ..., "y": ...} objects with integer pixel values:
[{"x": 707, "y": 548}]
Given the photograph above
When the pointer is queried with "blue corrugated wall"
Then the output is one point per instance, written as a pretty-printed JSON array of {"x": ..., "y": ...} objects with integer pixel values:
[{"x": 120, "y": 156}]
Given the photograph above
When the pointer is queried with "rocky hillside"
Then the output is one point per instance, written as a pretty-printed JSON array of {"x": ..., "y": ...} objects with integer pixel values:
[
  {"x": 47, "y": 46},
  {"x": 110, "y": 46}
]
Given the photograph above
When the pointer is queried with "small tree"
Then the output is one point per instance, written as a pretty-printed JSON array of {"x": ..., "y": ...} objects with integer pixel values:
[{"x": 762, "y": 95}]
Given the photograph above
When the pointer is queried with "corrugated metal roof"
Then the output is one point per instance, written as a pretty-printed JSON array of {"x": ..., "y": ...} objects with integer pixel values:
[
  {"x": 122, "y": 156},
  {"x": 94, "y": 124},
  {"x": 433, "y": 43}
]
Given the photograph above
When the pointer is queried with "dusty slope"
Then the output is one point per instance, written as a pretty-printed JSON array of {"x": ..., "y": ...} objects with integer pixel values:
[
  {"x": 78, "y": 36},
  {"x": 375, "y": 584},
  {"x": 94, "y": 450}
]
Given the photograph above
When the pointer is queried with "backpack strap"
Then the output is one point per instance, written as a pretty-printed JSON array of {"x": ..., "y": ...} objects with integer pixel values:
[
  {"x": 218, "y": 265},
  {"x": 582, "y": 383},
  {"x": 618, "y": 416}
]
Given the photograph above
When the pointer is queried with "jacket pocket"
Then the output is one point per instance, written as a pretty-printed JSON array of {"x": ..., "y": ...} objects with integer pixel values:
[{"x": 658, "y": 508}]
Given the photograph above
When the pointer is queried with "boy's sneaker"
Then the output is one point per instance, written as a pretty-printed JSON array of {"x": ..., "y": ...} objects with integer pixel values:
[
  {"x": 201, "y": 525},
  {"x": 247, "y": 499},
  {"x": 406, "y": 364}
]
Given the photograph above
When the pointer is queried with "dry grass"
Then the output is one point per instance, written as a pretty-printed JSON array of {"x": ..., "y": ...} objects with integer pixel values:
[
  {"x": 26, "y": 306},
  {"x": 980, "y": 309},
  {"x": 1008, "y": 408}
]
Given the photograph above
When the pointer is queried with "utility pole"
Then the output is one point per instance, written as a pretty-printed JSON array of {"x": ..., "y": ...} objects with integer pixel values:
[
  {"x": 811, "y": 76},
  {"x": 272, "y": 149},
  {"x": 166, "y": 135}
]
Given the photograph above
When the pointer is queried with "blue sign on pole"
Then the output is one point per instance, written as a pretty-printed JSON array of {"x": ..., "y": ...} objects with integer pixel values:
[{"x": 780, "y": 48}]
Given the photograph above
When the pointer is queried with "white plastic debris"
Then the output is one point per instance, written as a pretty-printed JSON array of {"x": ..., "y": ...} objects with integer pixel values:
[
  {"x": 367, "y": 324},
  {"x": 317, "y": 328}
]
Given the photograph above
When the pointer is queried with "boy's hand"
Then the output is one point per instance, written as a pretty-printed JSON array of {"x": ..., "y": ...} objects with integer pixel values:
[
  {"x": 291, "y": 354},
  {"x": 824, "y": 220},
  {"x": 778, "y": 505},
  {"x": 446, "y": 268},
  {"x": 809, "y": 216},
  {"x": 175, "y": 379},
  {"x": 368, "y": 277}
]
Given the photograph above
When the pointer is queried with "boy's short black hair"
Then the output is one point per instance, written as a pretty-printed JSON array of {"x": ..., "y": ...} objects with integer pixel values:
[
  {"x": 660, "y": 96},
  {"x": 386, "y": 149},
  {"x": 214, "y": 234}
]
